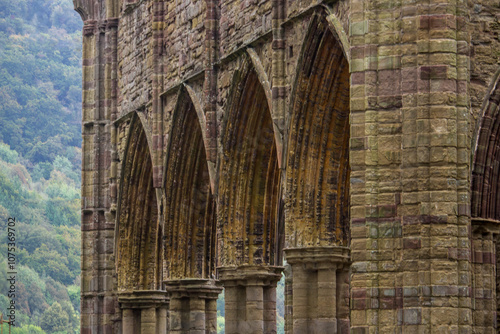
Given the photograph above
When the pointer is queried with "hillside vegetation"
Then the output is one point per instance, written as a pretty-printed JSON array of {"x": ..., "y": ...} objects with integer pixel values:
[{"x": 40, "y": 161}]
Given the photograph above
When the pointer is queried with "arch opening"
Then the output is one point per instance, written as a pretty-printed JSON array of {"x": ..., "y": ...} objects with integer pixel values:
[
  {"x": 190, "y": 206},
  {"x": 249, "y": 180},
  {"x": 486, "y": 164},
  {"x": 139, "y": 233},
  {"x": 317, "y": 199},
  {"x": 248, "y": 192},
  {"x": 485, "y": 208},
  {"x": 317, "y": 233}
]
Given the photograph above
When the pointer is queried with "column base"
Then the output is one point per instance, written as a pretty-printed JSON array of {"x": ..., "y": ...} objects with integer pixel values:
[
  {"x": 250, "y": 294},
  {"x": 318, "y": 289},
  {"x": 144, "y": 311},
  {"x": 193, "y": 305}
]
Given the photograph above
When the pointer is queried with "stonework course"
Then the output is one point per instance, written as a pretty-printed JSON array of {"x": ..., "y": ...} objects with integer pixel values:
[{"x": 353, "y": 145}]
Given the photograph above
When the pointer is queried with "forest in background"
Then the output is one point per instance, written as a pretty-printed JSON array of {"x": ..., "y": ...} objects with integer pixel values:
[{"x": 40, "y": 161}]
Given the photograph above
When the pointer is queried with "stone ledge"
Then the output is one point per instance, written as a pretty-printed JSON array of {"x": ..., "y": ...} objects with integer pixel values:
[
  {"x": 317, "y": 257},
  {"x": 142, "y": 299},
  {"x": 250, "y": 275},
  {"x": 482, "y": 225},
  {"x": 191, "y": 287}
]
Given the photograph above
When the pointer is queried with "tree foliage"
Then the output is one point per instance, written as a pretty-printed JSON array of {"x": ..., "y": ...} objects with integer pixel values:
[
  {"x": 40, "y": 78},
  {"x": 55, "y": 319},
  {"x": 40, "y": 160}
]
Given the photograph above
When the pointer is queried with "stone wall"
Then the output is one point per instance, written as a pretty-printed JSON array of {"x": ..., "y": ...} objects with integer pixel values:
[{"x": 354, "y": 138}]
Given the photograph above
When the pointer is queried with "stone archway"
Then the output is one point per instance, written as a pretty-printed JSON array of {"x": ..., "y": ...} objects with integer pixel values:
[
  {"x": 138, "y": 240},
  {"x": 248, "y": 189},
  {"x": 317, "y": 188},
  {"x": 485, "y": 213},
  {"x": 190, "y": 230}
]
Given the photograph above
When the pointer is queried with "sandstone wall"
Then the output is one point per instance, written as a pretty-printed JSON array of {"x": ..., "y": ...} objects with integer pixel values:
[{"x": 362, "y": 116}]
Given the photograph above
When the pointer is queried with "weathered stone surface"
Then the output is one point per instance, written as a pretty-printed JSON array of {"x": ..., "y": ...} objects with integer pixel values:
[{"x": 355, "y": 138}]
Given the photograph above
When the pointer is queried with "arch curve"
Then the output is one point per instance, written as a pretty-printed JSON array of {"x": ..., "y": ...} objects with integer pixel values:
[
  {"x": 485, "y": 185},
  {"x": 138, "y": 232},
  {"x": 249, "y": 176},
  {"x": 189, "y": 201},
  {"x": 317, "y": 151}
]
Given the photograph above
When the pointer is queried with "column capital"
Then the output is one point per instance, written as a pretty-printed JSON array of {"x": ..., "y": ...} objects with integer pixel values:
[
  {"x": 318, "y": 257},
  {"x": 112, "y": 22},
  {"x": 139, "y": 299},
  {"x": 193, "y": 287},
  {"x": 89, "y": 27},
  {"x": 484, "y": 225},
  {"x": 247, "y": 275}
]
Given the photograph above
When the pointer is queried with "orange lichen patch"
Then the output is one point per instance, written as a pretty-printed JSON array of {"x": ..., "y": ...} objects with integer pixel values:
[
  {"x": 138, "y": 231},
  {"x": 248, "y": 179},
  {"x": 486, "y": 168},
  {"x": 317, "y": 199},
  {"x": 189, "y": 210}
]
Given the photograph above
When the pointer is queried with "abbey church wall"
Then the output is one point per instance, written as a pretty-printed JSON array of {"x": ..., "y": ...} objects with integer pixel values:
[{"x": 351, "y": 145}]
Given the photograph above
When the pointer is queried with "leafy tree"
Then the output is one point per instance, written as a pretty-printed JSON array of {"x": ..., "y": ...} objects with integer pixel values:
[
  {"x": 40, "y": 154},
  {"x": 37, "y": 299},
  {"x": 55, "y": 319},
  {"x": 220, "y": 304},
  {"x": 4, "y": 214},
  {"x": 73, "y": 318},
  {"x": 27, "y": 329},
  {"x": 50, "y": 262},
  {"x": 22, "y": 298},
  {"x": 74, "y": 296},
  {"x": 8, "y": 155},
  {"x": 42, "y": 170},
  {"x": 3, "y": 276},
  {"x": 221, "y": 324},
  {"x": 63, "y": 165},
  {"x": 55, "y": 291}
]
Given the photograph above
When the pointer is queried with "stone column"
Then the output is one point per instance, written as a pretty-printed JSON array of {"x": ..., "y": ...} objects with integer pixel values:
[
  {"x": 148, "y": 320},
  {"x": 193, "y": 306},
  {"x": 410, "y": 204},
  {"x": 144, "y": 312},
  {"x": 250, "y": 293},
  {"x": 485, "y": 234},
  {"x": 317, "y": 272},
  {"x": 162, "y": 319},
  {"x": 128, "y": 321}
]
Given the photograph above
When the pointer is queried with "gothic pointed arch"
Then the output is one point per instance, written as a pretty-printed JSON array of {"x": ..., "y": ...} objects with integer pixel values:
[
  {"x": 138, "y": 230},
  {"x": 249, "y": 176},
  {"x": 317, "y": 173},
  {"x": 190, "y": 206},
  {"x": 317, "y": 222},
  {"x": 485, "y": 202}
]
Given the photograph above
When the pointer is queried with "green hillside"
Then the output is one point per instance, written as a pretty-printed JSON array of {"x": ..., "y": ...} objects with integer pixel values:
[{"x": 40, "y": 161}]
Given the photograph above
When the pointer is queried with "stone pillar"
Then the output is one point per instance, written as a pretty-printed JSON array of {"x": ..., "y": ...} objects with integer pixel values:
[
  {"x": 485, "y": 234},
  {"x": 193, "y": 306},
  {"x": 148, "y": 320},
  {"x": 250, "y": 293},
  {"x": 410, "y": 204},
  {"x": 162, "y": 319},
  {"x": 288, "y": 298},
  {"x": 144, "y": 312},
  {"x": 128, "y": 321},
  {"x": 211, "y": 315},
  {"x": 317, "y": 272}
]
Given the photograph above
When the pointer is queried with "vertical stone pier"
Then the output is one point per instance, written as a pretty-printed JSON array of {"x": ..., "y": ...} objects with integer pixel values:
[
  {"x": 250, "y": 294},
  {"x": 484, "y": 247},
  {"x": 144, "y": 312},
  {"x": 317, "y": 278},
  {"x": 193, "y": 306}
]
